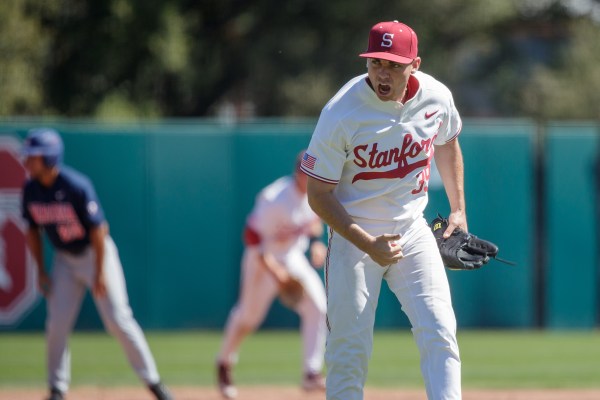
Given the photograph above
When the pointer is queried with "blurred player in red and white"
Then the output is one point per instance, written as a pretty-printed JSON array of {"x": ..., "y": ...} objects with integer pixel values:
[
  {"x": 279, "y": 231},
  {"x": 369, "y": 163}
]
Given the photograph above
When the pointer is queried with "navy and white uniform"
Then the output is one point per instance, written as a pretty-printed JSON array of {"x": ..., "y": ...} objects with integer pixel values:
[{"x": 67, "y": 211}]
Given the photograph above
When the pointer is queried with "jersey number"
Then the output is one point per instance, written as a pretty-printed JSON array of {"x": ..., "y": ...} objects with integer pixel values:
[
  {"x": 70, "y": 231},
  {"x": 423, "y": 180}
]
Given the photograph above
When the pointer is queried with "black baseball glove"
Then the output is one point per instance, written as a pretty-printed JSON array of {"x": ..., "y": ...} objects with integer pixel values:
[{"x": 462, "y": 251}]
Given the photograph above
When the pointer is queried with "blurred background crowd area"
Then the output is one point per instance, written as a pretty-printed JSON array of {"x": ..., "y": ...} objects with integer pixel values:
[{"x": 244, "y": 59}]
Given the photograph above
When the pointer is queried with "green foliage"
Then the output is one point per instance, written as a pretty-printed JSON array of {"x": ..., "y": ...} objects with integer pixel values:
[
  {"x": 135, "y": 59},
  {"x": 573, "y": 89},
  {"x": 22, "y": 48},
  {"x": 491, "y": 359}
]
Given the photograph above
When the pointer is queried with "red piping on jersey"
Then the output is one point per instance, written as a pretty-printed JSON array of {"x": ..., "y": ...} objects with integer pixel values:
[
  {"x": 319, "y": 178},
  {"x": 327, "y": 275},
  {"x": 456, "y": 134},
  {"x": 412, "y": 87},
  {"x": 251, "y": 237}
]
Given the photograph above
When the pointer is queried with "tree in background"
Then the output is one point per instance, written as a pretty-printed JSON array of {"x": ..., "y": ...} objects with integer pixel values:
[
  {"x": 23, "y": 48},
  {"x": 246, "y": 58}
]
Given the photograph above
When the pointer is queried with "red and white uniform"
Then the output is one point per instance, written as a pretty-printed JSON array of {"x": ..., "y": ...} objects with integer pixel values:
[
  {"x": 379, "y": 155},
  {"x": 280, "y": 220},
  {"x": 279, "y": 224}
]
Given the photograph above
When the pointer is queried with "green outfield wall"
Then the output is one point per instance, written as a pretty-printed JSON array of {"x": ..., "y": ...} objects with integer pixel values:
[{"x": 176, "y": 194}]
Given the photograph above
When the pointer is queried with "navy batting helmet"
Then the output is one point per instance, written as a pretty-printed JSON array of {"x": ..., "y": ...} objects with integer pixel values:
[{"x": 44, "y": 142}]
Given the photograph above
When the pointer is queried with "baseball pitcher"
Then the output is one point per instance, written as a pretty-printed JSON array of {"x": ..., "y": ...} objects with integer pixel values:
[{"x": 369, "y": 164}]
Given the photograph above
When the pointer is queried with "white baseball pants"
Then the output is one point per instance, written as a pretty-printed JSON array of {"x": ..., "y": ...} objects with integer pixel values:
[
  {"x": 259, "y": 289},
  {"x": 419, "y": 282},
  {"x": 71, "y": 276}
]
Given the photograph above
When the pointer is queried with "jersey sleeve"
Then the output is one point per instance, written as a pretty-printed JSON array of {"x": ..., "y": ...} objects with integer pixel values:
[
  {"x": 326, "y": 154},
  {"x": 88, "y": 206},
  {"x": 451, "y": 125}
]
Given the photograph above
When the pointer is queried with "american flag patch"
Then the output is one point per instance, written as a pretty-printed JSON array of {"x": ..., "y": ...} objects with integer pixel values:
[{"x": 308, "y": 161}]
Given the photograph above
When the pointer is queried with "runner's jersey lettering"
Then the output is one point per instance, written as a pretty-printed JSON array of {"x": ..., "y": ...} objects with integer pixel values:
[{"x": 66, "y": 211}]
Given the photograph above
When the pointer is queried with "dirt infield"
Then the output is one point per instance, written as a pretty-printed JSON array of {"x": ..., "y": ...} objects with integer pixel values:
[{"x": 287, "y": 393}]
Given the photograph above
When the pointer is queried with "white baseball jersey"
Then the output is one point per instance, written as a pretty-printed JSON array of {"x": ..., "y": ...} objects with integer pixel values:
[
  {"x": 379, "y": 152},
  {"x": 278, "y": 224},
  {"x": 282, "y": 218}
]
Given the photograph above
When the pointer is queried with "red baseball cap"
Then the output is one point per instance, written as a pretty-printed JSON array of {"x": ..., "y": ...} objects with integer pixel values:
[{"x": 392, "y": 41}]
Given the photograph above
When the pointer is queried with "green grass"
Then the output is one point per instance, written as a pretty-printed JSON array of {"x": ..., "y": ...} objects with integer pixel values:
[{"x": 491, "y": 359}]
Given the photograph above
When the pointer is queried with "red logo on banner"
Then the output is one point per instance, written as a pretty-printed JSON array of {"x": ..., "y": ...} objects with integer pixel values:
[{"x": 17, "y": 274}]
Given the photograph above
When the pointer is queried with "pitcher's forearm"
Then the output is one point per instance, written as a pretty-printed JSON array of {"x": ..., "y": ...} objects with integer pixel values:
[
  {"x": 449, "y": 161},
  {"x": 331, "y": 211}
]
